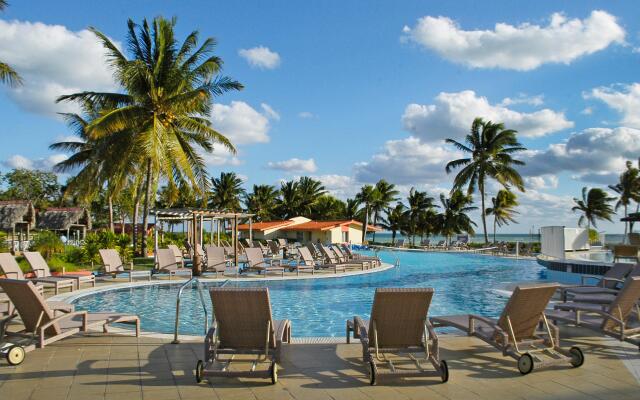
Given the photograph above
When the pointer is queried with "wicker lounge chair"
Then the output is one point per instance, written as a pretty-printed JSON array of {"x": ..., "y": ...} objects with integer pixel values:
[
  {"x": 609, "y": 283},
  {"x": 341, "y": 257},
  {"x": 113, "y": 266},
  {"x": 515, "y": 334},
  {"x": 256, "y": 262},
  {"x": 177, "y": 253},
  {"x": 243, "y": 324},
  {"x": 167, "y": 263},
  {"x": 216, "y": 260},
  {"x": 307, "y": 259},
  {"x": 346, "y": 251},
  {"x": 399, "y": 326},
  {"x": 40, "y": 322},
  {"x": 331, "y": 258},
  {"x": 275, "y": 249},
  {"x": 619, "y": 319},
  {"x": 11, "y": 269},
  {"x": 40, "y": 267}
]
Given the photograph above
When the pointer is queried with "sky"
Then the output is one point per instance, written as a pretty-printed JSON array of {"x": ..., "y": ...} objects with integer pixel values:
[{"x": 351, "y": 92}]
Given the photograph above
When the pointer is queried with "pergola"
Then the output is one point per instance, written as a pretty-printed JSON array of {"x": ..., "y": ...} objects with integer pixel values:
[
  {"x": 631, "y": 219},
  {"x": 193, "y": 220}
]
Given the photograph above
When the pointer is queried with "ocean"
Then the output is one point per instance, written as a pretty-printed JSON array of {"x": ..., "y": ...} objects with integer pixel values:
[{"x": 385, "y": 237}]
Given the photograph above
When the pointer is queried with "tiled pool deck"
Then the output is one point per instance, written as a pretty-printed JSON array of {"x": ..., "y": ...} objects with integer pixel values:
[{"x": 125, "y": 367}]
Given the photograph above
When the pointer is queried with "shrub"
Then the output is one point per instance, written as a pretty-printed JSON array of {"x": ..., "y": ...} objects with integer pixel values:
[{"x": 48, "y": 244}]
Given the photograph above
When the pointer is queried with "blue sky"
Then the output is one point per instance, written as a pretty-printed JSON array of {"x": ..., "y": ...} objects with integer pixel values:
[{"x": 366, "y": 92}]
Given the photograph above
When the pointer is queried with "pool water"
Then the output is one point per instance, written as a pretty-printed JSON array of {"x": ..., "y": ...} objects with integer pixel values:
[{"x": 463, "y": 283}]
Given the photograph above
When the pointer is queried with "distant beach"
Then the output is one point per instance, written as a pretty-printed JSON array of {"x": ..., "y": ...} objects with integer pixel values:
[{"x": 385, "y": 237}]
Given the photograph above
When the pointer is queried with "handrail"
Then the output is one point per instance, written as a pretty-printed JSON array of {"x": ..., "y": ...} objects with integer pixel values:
[{"x": 204, "y": 307}]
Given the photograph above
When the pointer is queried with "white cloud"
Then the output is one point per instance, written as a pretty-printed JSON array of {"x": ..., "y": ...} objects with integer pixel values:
[
  {"x": 523, "y": 99},
  {"x": 270, "y": 112},
  {"x": 453, "y": 113},
  {"x": 20, "y": 162},
  {"x": 52, "y": 61},
  {"x": 260, "y": 57},
  {"x": 407, "y": 161},
  {"x": 593, "y": 155},
  {"x": 240, "y": 122},
  {"x": 541, "y": 182},
  {"x": 587, "y": 111},
  {"x": 305, "y": 114},
  {"x": 522, "y": 47},
  {"x": 341, "y": 186},
  {"x": 626, "y": 101},
  {"x": 220, "y": 156},
  {"x": 295, "y": 165}
]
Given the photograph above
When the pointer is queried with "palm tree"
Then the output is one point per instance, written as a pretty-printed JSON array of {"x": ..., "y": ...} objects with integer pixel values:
[
  {"x": 366, "y": 197},
  {"x": 309, "y": 191},
  {"x": 226, "y": 192},
  {"x": 454, "y": 219},
  {"x": 628, "y": 189},
  {"x": 168, "y": 90},
  {"x": 7, "y": 74},
  {"x": 594, "y": 206},
  {"x": 289, "y": 201},
  {"x": 395, "y": 220},
  {"x": 327, "y": 207},
  {"x": 262, "y": 202},
  {"x": 491, "y": 147},
  {"x": 386, "y": 194},
  {"x": 352, "y": 210},
  {"x": 503, "y": 209},
  {"x": 419, "y": 203}
]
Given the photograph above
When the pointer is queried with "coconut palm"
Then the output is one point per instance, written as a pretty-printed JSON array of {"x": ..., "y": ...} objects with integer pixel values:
[
  {"x": 262, "y": 202},
  {"x": 594, "y": 205},
  {"x": 395, "y": 220},
  {"x": 418, "y": 203},
  {"x": 454, "y": 219},
  {"x": 289, "y": 200},
  {"x": 628, "y": 189},
  {"x": 503, "y": 209},
  {"x": 327, "y": 207},
  {"x": 367, "y": 196},
  {"x": 352, "y": 210},
  {"x": 166, "y": 101},
  {"x": 386, "y": 194},
  {"x": 226, "y": 192},
  {"x": 7, "y": 74},
  {"x": 491, "y": 147},
  {"x": 309, "y": 191}
]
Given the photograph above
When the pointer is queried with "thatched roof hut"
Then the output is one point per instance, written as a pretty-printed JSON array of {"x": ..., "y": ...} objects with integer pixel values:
[
  {"x": 17, "y": 214},
  {"x": 64, "y": 219}
]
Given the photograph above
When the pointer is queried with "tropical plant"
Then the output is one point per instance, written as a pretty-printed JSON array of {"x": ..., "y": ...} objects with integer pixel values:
[
  {"x": 289, "y": 200},
  {"x": 352, "y": 210},
  {"x": 168, "y": 90},
  {"x": 262, "y": 202},
  {"x": 395, "y": 220},
  {"x": 594, "y": 205},
  {"x": 327, "y": 207},
  {"x": 367, "y": 196},
  {"x": 491, "y": 147},
  {"x": 386, "y": 194},
  {"x": 503, "y": 209},
  {"x": 454, "y": 219},
  {"x": 40, "y": 187},
  {"x": 309, "y": 191},
  {"x": 226, "y": 192},
  {"x": 48, "y": 244},
  {"x": 7, "y": 74},
  {"x": 418, "y": 204},
  {"x": 628, "y": 190}
]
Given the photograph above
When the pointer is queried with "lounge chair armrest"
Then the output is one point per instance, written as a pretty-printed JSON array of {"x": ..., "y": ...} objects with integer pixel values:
[
  {"x": 432, "y": 332},
  {"x": 362, "y": 328},
  {"x": 70, "y": 315},
  {"x": 483, "y": 319},
  {"x": 616, "y": 280},
  {"x": 37, "y": 272},
  {"x": 11, "y": 273}
]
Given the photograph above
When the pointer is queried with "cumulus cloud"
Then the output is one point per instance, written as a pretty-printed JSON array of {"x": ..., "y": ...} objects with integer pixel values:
[
  {"x": 220, "y": 156},
  {"x": 18, "y": 161},
  {"x": 295, "y": 165},
  {"x": 625, "y": 99},
  {"x": 52, "y": 61},
  {"x": 241, "y": 123},
  {"x": 541, "y": 182},
  {"x": 593, "y": 155},
  {"x": 407, "y": 161},
  {"x": 521, "y": 47},
  {"x": 270, "y": 112},
  {"x": 587, "y": 111},
  {"x": 452, "y": 114},
  {"x": 305, "y": 114},
  {"x": 341, "y": 186},
  {"x": 260, "y": 57},
  {"x": 523, "y": 99}
]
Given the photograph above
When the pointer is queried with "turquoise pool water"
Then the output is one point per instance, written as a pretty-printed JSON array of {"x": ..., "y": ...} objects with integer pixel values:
[{"x": 463, "y": 283}]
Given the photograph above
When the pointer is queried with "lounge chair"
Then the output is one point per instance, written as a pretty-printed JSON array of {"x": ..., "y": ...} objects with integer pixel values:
[
  {"x": 177, "y": 254},
  {"x": 113, "y": 266},
  {"x": 256, "y": 262},
  {"x": 41, "y": 269},
  {"x": 515, "y": 334},
  {"x": 307, "y": 259},
  {"x": 357, "y": 256},
  {"x": 341, "y": 257},
  {"x": 11, "y": 269},
  {"x": 399, "y": 325},
  {"x": 608, "y": 283},
  {"x": 40, "y": 322},
  {"x": 275, "y": 249},
  {"x": 616, "y": 319},
  {"x": 331, "y": 258},
  {"x": 216, "y": 261},
  {"x": 167, "y": 263},
  {"x": 243, "y": 324}
]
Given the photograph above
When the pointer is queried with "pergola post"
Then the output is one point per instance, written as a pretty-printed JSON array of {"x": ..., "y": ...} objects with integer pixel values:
[
  {"x": 155, "y": 243},
  {"x": 250, "y": 230},
  {"x": 201, "y": 228},
  {"x": 211, "y": 232},
  {"x": 234, "y": 235},
  {"x": 197, "y": 270},
  {"x": 218, "y": 231}
]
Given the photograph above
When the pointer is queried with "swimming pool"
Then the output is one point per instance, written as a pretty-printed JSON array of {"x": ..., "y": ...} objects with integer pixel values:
[{"x": 463, "y": 283}]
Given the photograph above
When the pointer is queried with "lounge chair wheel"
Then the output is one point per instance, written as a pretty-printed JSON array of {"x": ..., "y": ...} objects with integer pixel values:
[
  {"x": 525, "y": 363},
  {"x": 577, "y": 357},
  {"x": 273, "y": 370},
  {"x": 444, "y": 371},
  {"x": 199, "y": 370},
  {"x": 15, "y": 355},
  {"x": 372, "y": 373}
]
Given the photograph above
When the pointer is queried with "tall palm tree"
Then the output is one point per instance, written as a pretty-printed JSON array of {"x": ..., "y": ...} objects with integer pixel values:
[
  {"x": 491, "y": 147},
  {"x": 454, "y": 219},
  {"x": 327, "y": 208},
  {"x": 367, "y": 196},
  {"x": 226, "y": 192},
  {"x": 289, "y": 200},
  {"x": 352, "y": 210},
  {"x": 418, "y": 203},
  {"x": 309, "y": 191},
  {"x": 168, "y": 90},
  {"x": 628, "y": 189},
  {"x": 386, "y": 194},
  {"x": 594, "y": 205},
  {"x": 262, "y": 202},
  {"x": 7, "y": 74},
  {"x": 394, "y": 221},
  {"x": 503, "y": 209}
]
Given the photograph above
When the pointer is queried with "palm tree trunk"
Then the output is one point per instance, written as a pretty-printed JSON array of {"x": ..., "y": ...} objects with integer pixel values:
[
  {"x": 625, "y": 223},
  {"x": 393, "y": 238},
  {"x": 110, "y": 202},
  {"x": 494, "y": 230},
  {"x": 145, "y": 209},
  {"x": 375, "y": 218},
  {"x": 134, "y": 223},
  {"x": 484, "y": 217},
  {"x": 366, "y": 223}
]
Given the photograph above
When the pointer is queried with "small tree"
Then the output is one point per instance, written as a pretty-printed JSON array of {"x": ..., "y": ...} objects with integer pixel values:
[{"x": 593, "y": 206}]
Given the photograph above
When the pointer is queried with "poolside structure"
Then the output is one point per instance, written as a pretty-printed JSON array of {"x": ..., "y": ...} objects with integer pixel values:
[
  {"x": 67, "y": 220},
  {"x": 304, "y": 230},
  {"x": 17, "y": 217}
]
